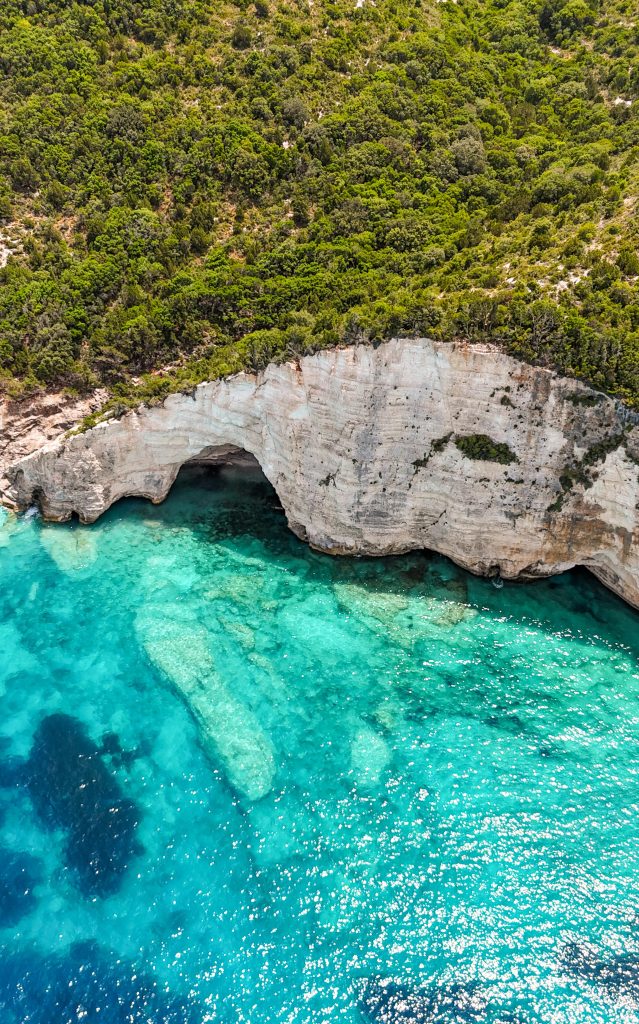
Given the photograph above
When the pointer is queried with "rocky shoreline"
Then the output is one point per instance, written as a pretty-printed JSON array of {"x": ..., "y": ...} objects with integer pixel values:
[
  {"x": 28, "y": 424},
  {"x": 506, "y": 468}
]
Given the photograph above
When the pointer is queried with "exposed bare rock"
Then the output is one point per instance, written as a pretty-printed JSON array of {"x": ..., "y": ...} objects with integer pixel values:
[
  {"x": 381, "y": 450},
  {"x": 29, "y": 423}
]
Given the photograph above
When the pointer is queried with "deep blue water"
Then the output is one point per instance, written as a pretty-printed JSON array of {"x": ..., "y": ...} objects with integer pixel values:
[{"x": 244, "y": 782}]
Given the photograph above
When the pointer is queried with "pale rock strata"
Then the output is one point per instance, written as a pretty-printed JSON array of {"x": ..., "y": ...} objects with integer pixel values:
[
  {"x": 27, "y": 424},
  {"x": 354, "y": 442}
]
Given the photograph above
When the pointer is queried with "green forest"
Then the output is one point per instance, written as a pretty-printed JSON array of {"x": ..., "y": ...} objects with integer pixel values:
[{"x": 193, "y": 187}]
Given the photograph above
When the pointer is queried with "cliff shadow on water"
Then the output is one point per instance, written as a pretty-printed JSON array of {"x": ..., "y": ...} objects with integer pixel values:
[
  {"x": 225, "y": 495},
  {"x": 415, "y": 600}
]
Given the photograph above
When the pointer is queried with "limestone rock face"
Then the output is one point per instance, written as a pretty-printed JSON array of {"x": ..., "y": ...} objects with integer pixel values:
[
  {"x": 29, "y": 423},
  {"x": 360, "y": 445}
]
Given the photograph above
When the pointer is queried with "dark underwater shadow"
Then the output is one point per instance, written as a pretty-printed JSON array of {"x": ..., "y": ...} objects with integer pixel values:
[
  {"x": 73, "y": 787},
  {"x": 87, "y": 984}
]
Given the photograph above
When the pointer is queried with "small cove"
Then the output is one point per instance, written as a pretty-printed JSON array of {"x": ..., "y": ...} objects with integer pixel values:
[{"x": 322, "y": 773}]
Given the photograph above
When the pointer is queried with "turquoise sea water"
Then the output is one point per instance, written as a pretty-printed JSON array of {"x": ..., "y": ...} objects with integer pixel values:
[{"x": 244, "y": 782}]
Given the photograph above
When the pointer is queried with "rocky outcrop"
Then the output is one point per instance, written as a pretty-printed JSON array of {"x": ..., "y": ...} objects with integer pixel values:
[
  {"x": 229, "y": 731},
  {"x": 506, "y": 468},
  {"x": 27, "y": 424}
]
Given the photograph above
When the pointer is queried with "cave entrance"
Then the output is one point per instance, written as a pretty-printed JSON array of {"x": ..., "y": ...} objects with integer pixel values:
[
  {"x": 224, "y": 467},
  {"x": 225, "y": 487}
]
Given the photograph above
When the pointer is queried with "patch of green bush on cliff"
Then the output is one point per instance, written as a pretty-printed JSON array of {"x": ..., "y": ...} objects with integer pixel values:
[
  {"x": 188, "y": 189},
  {"x": 482, "y": 448}
]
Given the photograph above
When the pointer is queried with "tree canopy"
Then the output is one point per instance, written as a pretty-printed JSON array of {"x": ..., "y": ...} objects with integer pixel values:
[{"x": 189, "y": 188}]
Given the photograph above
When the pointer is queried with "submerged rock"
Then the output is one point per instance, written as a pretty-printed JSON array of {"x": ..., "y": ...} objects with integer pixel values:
[
  {"x": 229, "y": 731},
  {"x": 617, "y": 976},
  {"x": 244, "y": 635},
  {"x": 19, "y": 872},
  {"x": 385, "y": 1002},
  {"x": 72, "y": 789},
  {"x": 389, "y": 712},
  {"x": 369, "y": 755},
  {"x": 88, "y": 985},
  {"x": 368, "y": 602},
  {"x": 73, "y": 551},
  {"x": 112, "y": 748},
  {"x": 450, "y": 606},
  {"x": 408, "y": 618}
]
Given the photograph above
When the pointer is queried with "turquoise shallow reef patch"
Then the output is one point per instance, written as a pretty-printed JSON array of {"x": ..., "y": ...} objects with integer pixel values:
[{"x": 355, "y": 790}]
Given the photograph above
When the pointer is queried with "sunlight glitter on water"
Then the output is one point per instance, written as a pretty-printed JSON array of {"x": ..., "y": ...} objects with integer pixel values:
[{"x": 318, "y": 789}]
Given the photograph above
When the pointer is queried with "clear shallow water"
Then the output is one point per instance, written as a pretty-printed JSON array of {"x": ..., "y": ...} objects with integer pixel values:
[{"x": 395, "y": 771}]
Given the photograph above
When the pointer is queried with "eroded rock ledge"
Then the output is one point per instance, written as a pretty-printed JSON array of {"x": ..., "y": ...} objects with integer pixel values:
[
  {"x": 27, "y": 424},
  {"x": 504, "y": 467}
]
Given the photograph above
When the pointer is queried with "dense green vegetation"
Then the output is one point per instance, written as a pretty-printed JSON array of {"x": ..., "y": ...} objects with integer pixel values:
[
  {"x": 197, "y": 187},
  {"x": 482, "y": 448}
]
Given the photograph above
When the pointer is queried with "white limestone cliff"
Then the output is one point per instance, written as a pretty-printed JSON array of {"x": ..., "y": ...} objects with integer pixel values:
[{"x": 359, "y": 444}]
